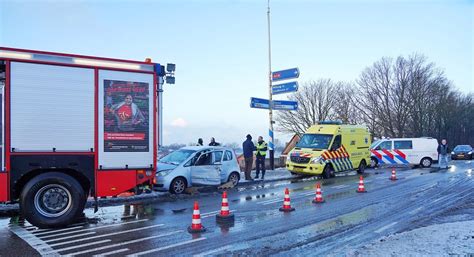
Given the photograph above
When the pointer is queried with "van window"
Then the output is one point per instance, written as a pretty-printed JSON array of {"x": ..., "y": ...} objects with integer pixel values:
[
  {"x": 228, "y": 156},
  {"x": 387, "y": 145},
  {"x": 406, "y": 144}
]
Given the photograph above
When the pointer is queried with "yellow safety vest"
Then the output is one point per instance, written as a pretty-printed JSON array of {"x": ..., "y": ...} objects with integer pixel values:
[{"x": 260, "y": 148}]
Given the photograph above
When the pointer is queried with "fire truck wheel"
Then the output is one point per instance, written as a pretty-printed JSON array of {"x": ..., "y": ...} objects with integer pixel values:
[{"x": 52, "y": 199}]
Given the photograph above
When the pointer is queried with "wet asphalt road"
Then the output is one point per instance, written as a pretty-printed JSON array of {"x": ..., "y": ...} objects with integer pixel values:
[{"x": 345, "y": 221}]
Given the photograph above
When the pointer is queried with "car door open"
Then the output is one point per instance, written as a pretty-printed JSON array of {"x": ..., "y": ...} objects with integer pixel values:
[{"x": 206, "y": 171}]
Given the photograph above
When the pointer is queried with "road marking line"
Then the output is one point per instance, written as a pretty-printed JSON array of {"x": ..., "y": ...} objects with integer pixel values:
[
  {"x": 167, "y": 247},
  {"x": 123, "y": 243},
  {"x": 213, "y": 215},
  {"x": 212, "y": 212},
  {"x": 99, "y": 236},
  {"x": 93, "y": 228},
  {"x": 39, "y": 245},
  {"x": 69, "y": 237},
  {"x": 112, "y": 252},
  {"x": 385, "y": 227},
  {"x": 54, "y": 231},
  {"x": 210, "y": 252},
  {"x": 416, "y": 210},
  {"x": 83, "y": 245},
  {"x": 339, "y": 187}
]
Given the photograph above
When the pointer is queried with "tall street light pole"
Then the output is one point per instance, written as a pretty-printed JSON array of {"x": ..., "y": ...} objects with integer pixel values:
[{"x": 270, "y": 111}]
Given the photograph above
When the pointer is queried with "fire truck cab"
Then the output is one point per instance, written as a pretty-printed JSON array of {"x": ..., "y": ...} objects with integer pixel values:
[{"x": 74, "y": 126}]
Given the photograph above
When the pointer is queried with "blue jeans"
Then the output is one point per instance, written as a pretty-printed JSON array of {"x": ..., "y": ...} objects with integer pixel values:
[{"x": 443, "y": 161}]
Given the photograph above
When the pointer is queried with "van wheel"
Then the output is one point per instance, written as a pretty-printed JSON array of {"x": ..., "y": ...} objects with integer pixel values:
[
  {"x": 328, "y": 171},
  {"x": 374, "y": 162},
  {"x": 178, "y": 185},
  {"x": 426, "y": 162},
  {"x": 362, "y": 166},
  {"x": 52, "y": 199}
]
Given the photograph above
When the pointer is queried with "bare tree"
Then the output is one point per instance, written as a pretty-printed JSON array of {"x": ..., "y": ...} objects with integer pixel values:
[{"x": 316, "y": 102}]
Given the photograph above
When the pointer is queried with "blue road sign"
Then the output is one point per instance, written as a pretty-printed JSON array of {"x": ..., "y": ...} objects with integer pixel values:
[
  {"x": 285, "y": 88},
  {"x": 285, "y": 74},
  {"x": 259, "y": 103},
  {"x": 284, "y": 105}
]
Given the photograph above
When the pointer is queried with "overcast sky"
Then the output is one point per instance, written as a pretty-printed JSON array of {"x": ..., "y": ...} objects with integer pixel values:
[{"x": 220, "y": 47}]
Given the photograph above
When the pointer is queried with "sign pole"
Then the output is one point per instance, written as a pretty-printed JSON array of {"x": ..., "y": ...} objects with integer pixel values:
[{"x": 270, "y": 111}]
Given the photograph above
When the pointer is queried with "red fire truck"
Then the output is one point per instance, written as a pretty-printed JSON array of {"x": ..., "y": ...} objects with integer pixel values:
[{"x": 74, "y": 126}]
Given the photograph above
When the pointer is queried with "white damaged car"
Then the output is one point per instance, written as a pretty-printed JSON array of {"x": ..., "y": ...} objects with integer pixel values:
[{"x": 197, "y": 165}]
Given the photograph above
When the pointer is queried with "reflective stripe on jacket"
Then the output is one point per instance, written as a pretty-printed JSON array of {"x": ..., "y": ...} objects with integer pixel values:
[{"x": 261, "y": 148}]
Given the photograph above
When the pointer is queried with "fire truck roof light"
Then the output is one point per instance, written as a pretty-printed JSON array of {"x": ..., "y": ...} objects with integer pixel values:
[
  {"x": 15, "y": 55},
  {"x": 108, "y": 64}
]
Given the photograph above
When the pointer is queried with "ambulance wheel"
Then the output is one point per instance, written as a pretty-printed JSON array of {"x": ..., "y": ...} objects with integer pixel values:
[
  {"x": 374, "y": 162},
  {"x": 426, "y": 162},
  {"x": 328, "y": 171},
  {"x": 362, "y": 166},
  {"x": 51, "y": 200}
]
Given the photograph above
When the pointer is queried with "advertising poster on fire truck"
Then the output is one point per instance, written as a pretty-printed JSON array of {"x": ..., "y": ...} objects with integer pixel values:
[{"x": 126, "y": 116}]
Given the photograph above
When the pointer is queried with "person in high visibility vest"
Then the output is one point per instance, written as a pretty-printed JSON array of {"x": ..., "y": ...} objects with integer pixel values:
[{"x": 261, "y": 152}]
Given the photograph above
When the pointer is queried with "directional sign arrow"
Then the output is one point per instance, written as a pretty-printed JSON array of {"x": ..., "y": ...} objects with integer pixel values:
[
  {"x": 285, "y": 88},
  {"x": 285, "y": 74},
  {"x": 259, "y": 103},
  {"x": 284, "y": 105}
]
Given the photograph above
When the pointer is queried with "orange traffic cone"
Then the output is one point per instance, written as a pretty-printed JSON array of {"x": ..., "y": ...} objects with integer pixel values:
[
  {"x": 225, "y": 216},
  {"x": 196, "y": 225},
  {"x": 394, "y": 175},
  {"x": 286, "y": 202},
  {"x": 319, "y": 196},
  {"x": 361, "y": 188}
]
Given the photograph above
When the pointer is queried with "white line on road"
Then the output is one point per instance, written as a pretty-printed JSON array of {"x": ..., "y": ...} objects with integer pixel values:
[
  {"x": 385, "y": 227},
  {"x": 39, "y": 245},
  {"x": 69, "y": 237},
  {"x": 93, "y": 228},
  {"x": 123, "y": 243},
  {"x": 166, "y": 247},
  {"x": 416, "y": 210},
  {"x": 212, "y": 212},
  {"x": 213, "y": 215},
  {"x": 339, "y": 187},
  {"x": 103, "y": 235},
  {"x": 83, "y": 245},
  {"x": 112, "y": 252},
  {"x": 55, "y": 231}
]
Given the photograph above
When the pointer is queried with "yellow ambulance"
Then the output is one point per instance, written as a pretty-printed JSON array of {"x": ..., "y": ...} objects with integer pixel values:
[{"x": 330, "y": 147}]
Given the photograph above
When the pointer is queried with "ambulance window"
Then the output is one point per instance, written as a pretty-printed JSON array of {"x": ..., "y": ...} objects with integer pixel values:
[
  {"x": 337, "y": 142},
  {"x": 406, "y": 144},
  {"x": 387, "y": 145}
]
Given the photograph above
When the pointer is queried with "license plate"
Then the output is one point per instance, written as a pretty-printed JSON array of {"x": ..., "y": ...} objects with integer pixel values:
[
  {"x": 298, "y": 169},
  {"x": 460, "y": 155}
]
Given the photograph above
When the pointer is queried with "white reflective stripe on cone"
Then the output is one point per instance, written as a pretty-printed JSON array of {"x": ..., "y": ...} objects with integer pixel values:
[
  {"x": 196, "y": 212},
  {"x": 225, "y": 200},
  {"x": 225, "y": 208},
  {"x": 196, "y": 221}
]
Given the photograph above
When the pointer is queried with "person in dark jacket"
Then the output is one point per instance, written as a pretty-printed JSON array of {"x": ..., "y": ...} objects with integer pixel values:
[
  {"x": 443, "y": 152},
  {"x": 213, "y": 142},
  {"x": 200, "y": 142},
  {"x": 260, "y": 154},
  {"x": 248, "y": 148}
]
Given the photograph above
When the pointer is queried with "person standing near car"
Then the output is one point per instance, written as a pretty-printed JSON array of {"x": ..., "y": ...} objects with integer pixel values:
[
  {"x": 213, "y": 142},
  {"x": 200, "y": 142},
  {"x": 443, "y": 151},
  {"x": 248, "y": 148},
  {"x": 260, "y": 154}
]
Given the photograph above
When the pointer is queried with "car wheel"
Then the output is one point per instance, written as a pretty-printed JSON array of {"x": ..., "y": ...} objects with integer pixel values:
[
  {"x": 234, "y": 177},
  {"x": 362, "y": 166},
  {"x": 328, "y": 171},
  {"x": 178, "y": 185},
  {"x": 374, "y": 162},
  {"x": 51, "y": 200},
  {"x": 426, "y": 162}
]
